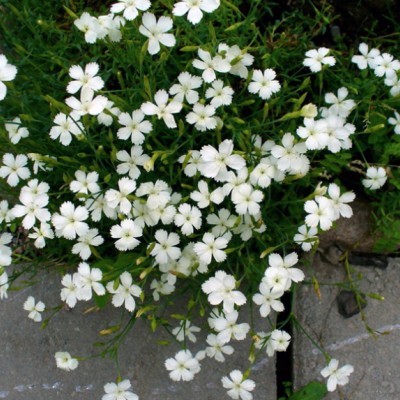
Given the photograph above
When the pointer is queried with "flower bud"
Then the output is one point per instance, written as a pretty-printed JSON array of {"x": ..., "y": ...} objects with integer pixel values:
[{"x": 309, "y": 111}]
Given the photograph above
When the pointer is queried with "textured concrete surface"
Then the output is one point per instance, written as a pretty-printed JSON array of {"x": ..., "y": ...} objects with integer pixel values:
[
  {"x": 375, "y": 358},
  {"x": 28, "y": 370}
]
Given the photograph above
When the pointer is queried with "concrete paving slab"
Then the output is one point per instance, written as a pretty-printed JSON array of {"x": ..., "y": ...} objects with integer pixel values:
[
  {"x": 28, "y": 370},
  {"x": 376, "y": 359}
]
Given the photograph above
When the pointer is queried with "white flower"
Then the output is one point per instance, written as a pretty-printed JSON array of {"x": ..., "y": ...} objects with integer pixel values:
[
  {"x": 88, "y": 279},
  {"x": 290, "y": 155},
  {"x": 119, "y": 391},
  {"x": 238, "y": 387},
  {"x": 35, "y": 188},
  {"x": 85, "y": 79},
  {"x": 166, "y": 250},
  {"x": 130, "y": 162},
  {"x": 156, "y": 32},
  {"x": 99, "y": 205},
  {"x": 143, "y": 215},
  {"x": 277, "y": 279},
  {"x": 195, "y": 8},
  {"x": 320, "y": 212},
  {"x": 385, "y": 65},
  {"x": 183, "y": 366},
  {"x": 211, "y": 247},
  {"x": 267, "y": 299},
  {"x": 185, "y": 88},
  {"x": 306, "y": 237},
  {"x": 124, "y": 292},
  {"x": 185, "y": 330},
  {"x": 220, "y": 95},
  {"x": 15, "y": 131},
  {"x": 130, "y": 8},
  {"x": 220, "y": 289},
  {"x": 65, "y": 361},
  {"x": 222, "y": 222},
  {"x": 315, "y": 133},
  {"x": 241, "y": 59},
  {"x": 65, "y": 128},
  {"x": 32, "y": 208},
  {"x": 246, "y": 199},
  {"x": 39, "y": 163},
  {"x": 7, "y": 73},
  {"x": 340, "y": 106},
  {"x": 227, "y": 327},
  {"x": 188, "y": 218},
  {"x": 376, "y": 178},
  {"x": 34, "y": 308},
  {"x": 85, "y": 183},
  {"x": 366, "y": 58},
  {"x": 396, "y": 122},
  {"x": 134, "y": 127},
  {"x": 90, "y": 238},
  {"x": 263, "y": 173},
  {"x": 89, "y": 25},
  {"x": 126, "y": 233},
  {"x": 336, "y": 376},
  {"x": 162, "y": 108},
  {"x": 4, "y": 285},
  {"x": 216, "y": 348},
  {"x": 5, "y": 213},
  {"x": 210, "y": 64},
  {"x": 106, "y": 116},
  {"x": 162, "y": 286},
  {"x": 69, "y": 223},
  {"x": 294, "y": 274},
  {"x": 14, "y": 168},
  {"x": 234, "y": 180},
  {"x": 88, "y": 104},
  {"x": 316, "y": 58},
  {"x": 278, "y": 341},
  {"x": 216, "y": 162},
  {"x": 191, "y": 163},
  {"x": 202, "y": 117},
  {"x": 120, "y": 197},
  {"x": 158, "y": 193},
  {"x": 340, "y": 207},
  {"x": 203, "y": 197},
  {"x": 5, "y": 251},
  {"x": 338, "y": 133},
  {"x": 394, "y": 82},
  {"x": 40, "y": 235},
  {"x": 69, "y": 293},
  {"x": 264, "y": 83}
]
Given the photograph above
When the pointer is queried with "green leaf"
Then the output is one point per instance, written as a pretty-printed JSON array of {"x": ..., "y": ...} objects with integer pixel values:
[
  {"x": 101, "y": 301},
  {"x": 188, "y": 48},
  {"x": 313, "y": 391}
]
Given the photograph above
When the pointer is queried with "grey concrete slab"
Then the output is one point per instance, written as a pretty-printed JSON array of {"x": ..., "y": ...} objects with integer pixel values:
[
  {"x": 375, "y": 358},
  {"x": 28, "y": 370}
]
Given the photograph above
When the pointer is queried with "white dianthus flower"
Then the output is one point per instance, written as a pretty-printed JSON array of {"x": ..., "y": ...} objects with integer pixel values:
[
  {"x": 156, "y": 32},
  {"x": 264, "y": 83},
  {"x": 8, "y": 73},
  {"x": 376, "y": 178},
  {"x": 315, "y": 59}
]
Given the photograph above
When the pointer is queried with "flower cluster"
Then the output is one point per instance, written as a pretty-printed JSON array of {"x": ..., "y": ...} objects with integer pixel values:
[{"x": 178, "y": 182}]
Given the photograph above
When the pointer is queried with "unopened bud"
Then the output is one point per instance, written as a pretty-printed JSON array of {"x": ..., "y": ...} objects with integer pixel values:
[
  {"x": 320, "y": 190},
  {"x": 149, "y": 165},
  {"x": 309, "y": 111}
]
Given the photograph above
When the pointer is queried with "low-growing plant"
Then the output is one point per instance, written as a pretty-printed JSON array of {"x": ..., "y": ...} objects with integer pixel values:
[{"x": 162, "y": 148}]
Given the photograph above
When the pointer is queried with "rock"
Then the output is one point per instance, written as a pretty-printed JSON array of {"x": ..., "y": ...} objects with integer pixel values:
[
  {"x": 353, "y": 233},
  {"x": 349, "y": 303}
]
